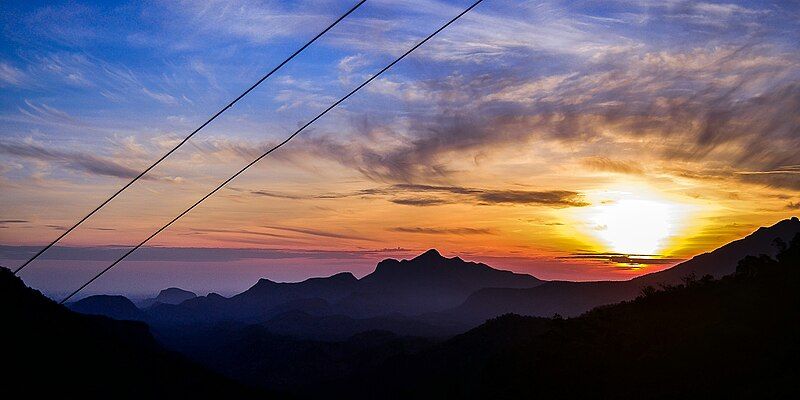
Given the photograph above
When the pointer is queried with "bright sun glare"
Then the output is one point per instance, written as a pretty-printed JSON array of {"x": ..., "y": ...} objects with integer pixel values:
[{"x": 631, "y": 224}]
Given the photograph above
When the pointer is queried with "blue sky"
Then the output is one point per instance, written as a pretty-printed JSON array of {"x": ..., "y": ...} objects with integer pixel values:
[{"x": 490, "y": 140}]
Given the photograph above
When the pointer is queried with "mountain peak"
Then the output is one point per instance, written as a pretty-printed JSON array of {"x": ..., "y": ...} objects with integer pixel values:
[
  {"x": 114, "y": 306},
  {"x": 174, "y": 295},
  {"x": 173, "y": 290},
  {"x": 431, "y": 254}
]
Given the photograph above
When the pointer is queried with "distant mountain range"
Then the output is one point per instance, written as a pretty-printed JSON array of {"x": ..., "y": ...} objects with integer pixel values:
[
  {"x": 428, "y": 295},
  {"x": 389, "y": 297}
]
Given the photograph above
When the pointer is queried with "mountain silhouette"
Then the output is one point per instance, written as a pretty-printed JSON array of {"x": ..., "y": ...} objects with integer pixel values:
[
  {"x": 426, "y": 283},
  {"x": 117, "y": 307},
  {"x": 723, "y": 260},
  {"x": 50, "y": 351},
  {"x": 263, "y": 300},
  {"x": 428, "y": 295},
  {"x": 169, "y": 296},
  {"x": 574, "y": 298},
  {"x": 731, "y": 338},
  {"x": 735, "y": 337},
  {"x": 696, "y": 336}
]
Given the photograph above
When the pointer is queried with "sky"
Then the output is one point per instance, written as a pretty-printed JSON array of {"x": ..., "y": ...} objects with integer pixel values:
[{"x": 578, "y": 140}]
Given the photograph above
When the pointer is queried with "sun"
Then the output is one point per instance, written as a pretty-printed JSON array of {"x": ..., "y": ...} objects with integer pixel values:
[{"x": 630, "y": 224}]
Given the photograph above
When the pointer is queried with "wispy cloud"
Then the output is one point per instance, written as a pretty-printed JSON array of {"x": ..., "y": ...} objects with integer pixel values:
[
  {"x": 316, "y": 232},
  {"x": 630, "y": 260},
  {"x": 257, "y": 22},
  {"x": 161, "y": 97},
  {"x": 44, "y": 113},
  {"x": 11, "y": 75},
  {"x": 420, "y": 201},
  {"x": 430, "y": 195},
  {"x": 76, "y": 161},
  {"x": 240, "y": 231},
  {"x": 189, "y": 254},
  {"x": 4, "y": 223},
  {"x": 618, "y": 166},
  {"x": 704, "y": 104},
  {"x": 442, "y": 231}
]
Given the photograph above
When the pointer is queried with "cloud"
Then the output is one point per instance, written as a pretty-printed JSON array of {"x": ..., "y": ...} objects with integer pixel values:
[
  {"x": 729, "y": 105},
  {"x": 315, "y": 232},
  {"x": 41, "y": 112},
  {"x": 161, "y": 97},
  {"x": 70, "y": 24},
  {"x": 421, "y": 195},
  {"x": 420, "y": 201},
  {"x": 632, "y": 260},
  {"x": 793, "y": 205},
  {"x": 716, "y": 15},
  {"x": 241, "y": 231},
  {"x": 787, "y": 177},
  {"x": 188, "y": 254},
  {"x": 256, "y": 22},
  {"x": 617, "y": 166},
  {"x": 521, "y": 30},
  {"x": 73, "y": 160},
  {"x": 348, "y": 66},
  {"x": 555, "y": 198},
  {"x": 278, "y": 195},
  {"x": 11, "y": 75},
  {"x": 443, "y": 231},
  {"x": 559, "y": 198},
  {"x": 4, "y": 223}
]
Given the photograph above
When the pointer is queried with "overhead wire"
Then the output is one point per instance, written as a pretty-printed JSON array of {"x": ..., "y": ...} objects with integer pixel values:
[
  {"x": 268, "y": 152},
  {"x": 186, "y": 139}
]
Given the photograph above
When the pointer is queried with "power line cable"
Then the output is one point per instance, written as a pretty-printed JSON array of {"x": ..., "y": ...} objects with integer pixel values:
[
  {"x": 279, "y": 145},
  {"x": 182, "y": 142}
]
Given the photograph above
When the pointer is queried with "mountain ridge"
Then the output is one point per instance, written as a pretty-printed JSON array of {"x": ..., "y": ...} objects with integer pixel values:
[
  {"x": 425, "y": 283},
  {"x": 445, "y": 292},
  {"x": 574, "y": 298},
  {"x": 735, "y": 337}
]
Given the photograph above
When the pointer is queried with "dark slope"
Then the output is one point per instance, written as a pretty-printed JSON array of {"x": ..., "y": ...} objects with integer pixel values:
[
  {"x": 734, "y": 338},
  {"x": 254, "y": 355},
  {"x": 565, "y": 298},
  {"x": 722, "y": 261},
  {"x": 49, "y": 350},
  {"x": 117, "y": 307},
  {"x": 301, "y": 324},
  {"x": 574, "y": 298}
]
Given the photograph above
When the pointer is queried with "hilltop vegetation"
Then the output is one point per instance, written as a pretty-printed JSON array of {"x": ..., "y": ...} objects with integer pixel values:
[{"x": 734, "y": 337}]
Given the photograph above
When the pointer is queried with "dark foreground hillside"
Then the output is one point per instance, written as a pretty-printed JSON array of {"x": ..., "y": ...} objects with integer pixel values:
[
  {"x": 49, "y": 351},
  {"x": 735, "y": 337}
]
